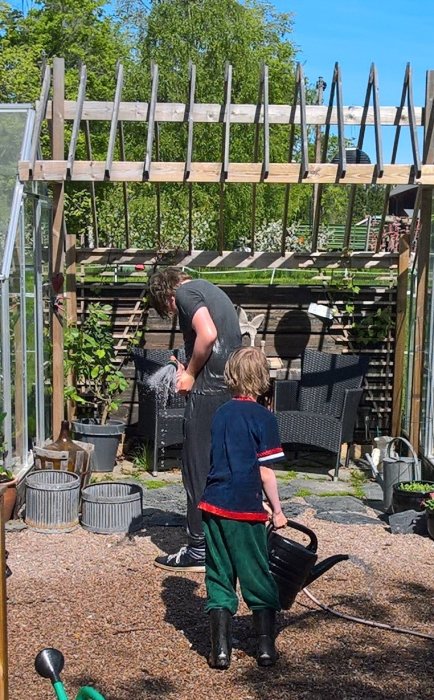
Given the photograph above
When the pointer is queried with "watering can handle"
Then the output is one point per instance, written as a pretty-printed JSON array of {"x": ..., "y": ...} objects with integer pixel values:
[
  {"x": 409, "y": 445},
  {"x": 313, "y": 544}
]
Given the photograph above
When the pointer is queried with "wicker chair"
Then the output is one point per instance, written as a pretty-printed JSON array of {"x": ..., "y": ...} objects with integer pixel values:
[
  {"x": 320, "y": 409},
  {"x": 162, "y": 426}
]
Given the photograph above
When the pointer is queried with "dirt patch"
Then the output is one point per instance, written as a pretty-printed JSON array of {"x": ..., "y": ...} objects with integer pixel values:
[{"x": 136, "y": 632}]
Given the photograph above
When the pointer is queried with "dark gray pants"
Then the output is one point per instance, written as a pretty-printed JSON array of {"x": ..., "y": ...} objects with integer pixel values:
[{"x": 199, "y": 413}]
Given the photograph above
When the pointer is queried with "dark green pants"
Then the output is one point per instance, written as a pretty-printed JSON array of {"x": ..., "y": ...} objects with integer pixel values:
[{"x": 237, "y": 550}]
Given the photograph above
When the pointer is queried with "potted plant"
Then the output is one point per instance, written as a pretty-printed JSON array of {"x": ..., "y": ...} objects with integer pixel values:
[
  {"x": 429, "y": 509},
  {"x": 6, "y": 477},
  {"x": 411, "y": 495},
  {"x": 94, "y": 384}
]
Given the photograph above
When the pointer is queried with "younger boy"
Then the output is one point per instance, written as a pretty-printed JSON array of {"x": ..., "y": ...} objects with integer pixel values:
[{"x": 244, "y": 442}]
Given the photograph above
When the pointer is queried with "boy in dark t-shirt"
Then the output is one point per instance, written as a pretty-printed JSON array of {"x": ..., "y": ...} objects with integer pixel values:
[
  {"x": 244, "y": 441},
  {"x": 210, "y": 326}
]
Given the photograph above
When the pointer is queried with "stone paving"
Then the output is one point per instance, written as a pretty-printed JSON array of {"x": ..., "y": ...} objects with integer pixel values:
[{"x": 301, "y": 486}]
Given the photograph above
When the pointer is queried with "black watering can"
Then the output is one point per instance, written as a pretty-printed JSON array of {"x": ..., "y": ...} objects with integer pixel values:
[{"x": 293, "y": 565}]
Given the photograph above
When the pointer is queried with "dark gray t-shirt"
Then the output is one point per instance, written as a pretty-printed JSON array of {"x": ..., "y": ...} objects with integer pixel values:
[{"x": 191, "y": 296}]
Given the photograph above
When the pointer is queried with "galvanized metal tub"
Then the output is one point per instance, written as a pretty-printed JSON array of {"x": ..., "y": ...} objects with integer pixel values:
[
  {"x": 52, "y": 498},
  {"x": 112, "y": 506}
]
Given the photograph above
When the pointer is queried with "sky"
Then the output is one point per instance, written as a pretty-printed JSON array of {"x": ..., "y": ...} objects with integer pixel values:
[{"x": 356, "y": 33}]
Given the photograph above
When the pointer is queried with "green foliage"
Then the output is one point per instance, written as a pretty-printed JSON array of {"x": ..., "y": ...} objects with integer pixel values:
[
  {"x": 358, "y": 480},
  {"x": 372, "y": 328},
  {"x": 143, "y": 458},
  {"x": 89, "y": 359},
  {"x": 303, "y": 492},
  {"x": 417, "y": 487},
  {"x": 429, "y": 504}
]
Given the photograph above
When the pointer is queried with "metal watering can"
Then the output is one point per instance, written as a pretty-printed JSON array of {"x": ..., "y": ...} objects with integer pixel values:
[
  {"x": 293, "y": 565},
  {"x": 395, "y": 470},
  {"x": 49, "y": 664}
]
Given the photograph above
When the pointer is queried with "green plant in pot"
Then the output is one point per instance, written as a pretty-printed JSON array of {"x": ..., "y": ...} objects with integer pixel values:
[
  {"x": 94, "y": 384},
  {"x": 6, "y": 477}
]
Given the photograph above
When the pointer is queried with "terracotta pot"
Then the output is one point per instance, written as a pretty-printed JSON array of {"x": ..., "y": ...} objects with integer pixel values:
[{"x": 9, "y": 499}]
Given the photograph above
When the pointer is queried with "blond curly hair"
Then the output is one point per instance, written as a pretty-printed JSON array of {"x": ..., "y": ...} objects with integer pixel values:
[{"x": 247, "y": 373}]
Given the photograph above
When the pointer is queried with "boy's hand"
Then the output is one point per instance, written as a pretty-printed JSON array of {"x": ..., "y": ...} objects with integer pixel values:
[{"x": 279, "y": 520}]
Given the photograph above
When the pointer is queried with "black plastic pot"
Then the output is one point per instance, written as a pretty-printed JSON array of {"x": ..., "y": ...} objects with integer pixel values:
[
  {"x": 430, "y": 522},
  {"x": 105, "y": 438},
  {"x": 408, "y": 500}
]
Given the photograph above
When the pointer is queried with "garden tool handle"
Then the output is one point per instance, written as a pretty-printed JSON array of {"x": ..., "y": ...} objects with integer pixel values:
[
  {"x": 89, "y": 693},
  {"x": 313, "y": 544}
]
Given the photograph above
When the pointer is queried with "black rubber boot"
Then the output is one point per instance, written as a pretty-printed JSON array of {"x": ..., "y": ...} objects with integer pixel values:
[
  {"x": 221, "y": 638},
  {"x": 264, "y": 622}
]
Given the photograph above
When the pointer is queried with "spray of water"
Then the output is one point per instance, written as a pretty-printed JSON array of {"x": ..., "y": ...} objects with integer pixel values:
[
  {"x": 367, "y": 570},
  {"x": 163, "y": 382}
]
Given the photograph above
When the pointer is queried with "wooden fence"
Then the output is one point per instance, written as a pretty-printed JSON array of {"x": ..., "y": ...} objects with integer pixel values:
[{"x": 287, "y": 329}]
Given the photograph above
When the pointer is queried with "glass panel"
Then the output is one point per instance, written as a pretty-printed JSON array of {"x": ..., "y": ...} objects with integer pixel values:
[
  {"x": 427, "y": 417},
  {"x": 12, "y": 125},
  {"x": 45, "y": 228},
  {"x": 17, "y": 351}
]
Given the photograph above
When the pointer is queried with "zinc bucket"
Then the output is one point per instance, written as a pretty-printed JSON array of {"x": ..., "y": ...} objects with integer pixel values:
[
  {"x": 112, "y": 506},
  {"x": 52, "y": 498}
]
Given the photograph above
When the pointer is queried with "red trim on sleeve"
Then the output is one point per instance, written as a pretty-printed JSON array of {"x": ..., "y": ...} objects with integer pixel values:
[{"x": 268, "y": 453}]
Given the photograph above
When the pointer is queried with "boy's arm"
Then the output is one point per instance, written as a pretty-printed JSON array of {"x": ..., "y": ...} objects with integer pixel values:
[{"x": 269, "y": 484}]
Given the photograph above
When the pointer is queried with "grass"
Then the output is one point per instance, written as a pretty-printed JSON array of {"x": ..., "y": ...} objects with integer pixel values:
[
  {"x": 223, "y": 276},
  {"x": 142, "y": 458},
  {"x": 358, "y": 480},
  {"x": 303, "y": 492},
  {"x": 288, "y": 476},
  {"x": 154, "y": 484},
  {"x": 326, "y": 494}
]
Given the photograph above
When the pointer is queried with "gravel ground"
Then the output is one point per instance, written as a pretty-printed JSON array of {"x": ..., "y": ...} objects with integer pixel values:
[{"x": 137, "y": 632}]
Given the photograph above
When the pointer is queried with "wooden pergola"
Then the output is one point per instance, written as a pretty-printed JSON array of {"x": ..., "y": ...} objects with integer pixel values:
[{"x": 296, "y": 115}]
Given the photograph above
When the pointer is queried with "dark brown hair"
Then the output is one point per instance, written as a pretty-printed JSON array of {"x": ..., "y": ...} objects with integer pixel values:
[
  {"x": 247, "y": 373},
  {"x": 162, "y": 285}
]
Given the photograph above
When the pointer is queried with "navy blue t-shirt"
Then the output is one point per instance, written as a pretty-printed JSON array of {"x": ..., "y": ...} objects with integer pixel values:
[{"x": 244, "y": 436}]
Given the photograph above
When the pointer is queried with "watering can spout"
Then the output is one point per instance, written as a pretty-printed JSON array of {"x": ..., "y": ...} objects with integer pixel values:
[{"x": 324, "y": 566}]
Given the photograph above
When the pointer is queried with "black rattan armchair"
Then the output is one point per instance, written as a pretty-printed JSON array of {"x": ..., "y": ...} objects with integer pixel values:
[
  {"x": 160, "y": 425},
  {"x": 320, "y": 409}
]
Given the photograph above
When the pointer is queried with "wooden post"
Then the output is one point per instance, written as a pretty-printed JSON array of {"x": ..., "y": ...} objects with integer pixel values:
[
  {"x": 401, "y": 333},
  {"x": 58, "y": 148},
  {"x": 4, "y": 695},
  {"x": 423, "y": 254}
]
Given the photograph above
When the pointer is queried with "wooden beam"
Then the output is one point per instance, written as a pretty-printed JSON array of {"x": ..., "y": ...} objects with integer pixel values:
[
  {"x": 190, "y": 122},
  {"x": 266, "y": 123},
  {"x": 210, "y": 113},
  {"x": 41, "y": 107},
  {"x": 325, "y": 260},
  {"x": 91, "y": 184},
  {"x": 280, "y": 173},
  {"x": 58, "y": 142},
  {"x": 422, "y": 261},
  {"x": 400, "y": 334},
  {"x": 77, "y": 121},
  {"x": 301, "y": 89},
  {"x": 151, "y": 121},
  {"x": 412, "y": 121},
  {"x": 317, "y": 189},
  {"x": 227, "y": 121},
  {"x": 114, "y": 119},
  {"x": 4, "y": 693}
]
